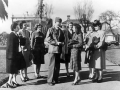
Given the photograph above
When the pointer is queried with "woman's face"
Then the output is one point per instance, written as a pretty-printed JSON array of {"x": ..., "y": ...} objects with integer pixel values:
[
  {"x": 90, "y": 29},
  {"x": 39, "y": 28},
  {"x": 75, "y": 29},
  {"x": 96, "y": 28},
  {"x": 70, "y": 26},
  {"x": 17, "y": 28}
]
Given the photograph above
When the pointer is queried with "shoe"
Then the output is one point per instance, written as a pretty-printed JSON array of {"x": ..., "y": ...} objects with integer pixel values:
[
  {"x": 15, "y": 84},
  {"x": 27, "y": 79},
  {"x": 23, "y": 80},
  {"x": 95, "y": 80},
  {"x": 7, "y": 85},
  {"x": 75, "y": 83},
  {"x": 50, "y": 83},
  {"x": 78, "y": 81},
  {"x": 100, "y": 81}
]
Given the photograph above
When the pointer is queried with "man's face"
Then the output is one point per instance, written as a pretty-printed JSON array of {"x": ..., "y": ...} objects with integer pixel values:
[
  {"x": 24, "y": 25},
  {"x": 70, "y": 26},
  {"x": 57, "y": 25}
]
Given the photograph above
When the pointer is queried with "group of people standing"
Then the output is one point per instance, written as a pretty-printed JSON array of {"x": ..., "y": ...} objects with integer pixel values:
[{"x": 63, "y": 44}]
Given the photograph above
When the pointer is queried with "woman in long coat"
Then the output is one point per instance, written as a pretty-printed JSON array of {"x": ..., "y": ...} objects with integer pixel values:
[
  {"x": 88, "y": 52},
  {"x": 76, "y": 47},
  {"x": 97, "y": 60},
  {"x": 38, "y": 48},
  {"x": 25, "y": 49},
  {"x": 11, "y": 56}
]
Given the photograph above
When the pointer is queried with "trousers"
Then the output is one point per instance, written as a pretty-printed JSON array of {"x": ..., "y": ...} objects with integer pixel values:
[{"x": 54, "y": 67}]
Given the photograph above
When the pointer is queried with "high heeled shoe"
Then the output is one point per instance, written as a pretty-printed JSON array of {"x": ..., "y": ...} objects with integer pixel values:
[
  {"x": 27, "y": 79},
  {"x": 7, "y": 85},
  {"x": 23, "y": 80},
  {"x": 100, "y": 80},
  {"x": 15, "y": 84}
]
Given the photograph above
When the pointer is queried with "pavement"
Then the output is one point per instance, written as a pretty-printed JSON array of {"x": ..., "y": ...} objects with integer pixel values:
[{"x": 111, "y": 79}]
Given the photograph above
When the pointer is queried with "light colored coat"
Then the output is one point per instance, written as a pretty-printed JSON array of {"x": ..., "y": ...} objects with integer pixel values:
[{"x": 98, "y": 56}]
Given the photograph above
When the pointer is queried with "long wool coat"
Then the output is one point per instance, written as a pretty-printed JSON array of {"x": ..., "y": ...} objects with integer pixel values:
[
  {"x": 98, "y": 56},
  {"x": 12, "y": 53}
]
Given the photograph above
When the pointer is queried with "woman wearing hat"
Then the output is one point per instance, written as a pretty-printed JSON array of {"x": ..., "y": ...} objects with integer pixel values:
[
  {"x": 38, "y": 48},
  {"x": 97, "y": 60}
]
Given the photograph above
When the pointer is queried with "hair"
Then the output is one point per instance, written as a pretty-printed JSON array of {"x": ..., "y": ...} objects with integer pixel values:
[
  {"x": 77, "y": 26},
  {"x": 92, "y": 26},
  {"x": 13, "y": 26},
  {"x": 97, "y": 23},
  {"x": 36, "y": 26},
  {"x": 21, "y": 24}
]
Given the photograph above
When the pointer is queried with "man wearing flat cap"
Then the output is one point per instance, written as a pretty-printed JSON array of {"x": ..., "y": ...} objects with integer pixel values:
[{"x": 55, "y": 40}]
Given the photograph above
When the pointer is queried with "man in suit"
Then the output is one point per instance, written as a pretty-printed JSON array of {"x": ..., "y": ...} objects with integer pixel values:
[{"x": 55, "y": 39}]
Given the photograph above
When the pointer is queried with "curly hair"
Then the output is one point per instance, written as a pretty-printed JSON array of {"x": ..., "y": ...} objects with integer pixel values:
[{"x": 36, "y": 26}]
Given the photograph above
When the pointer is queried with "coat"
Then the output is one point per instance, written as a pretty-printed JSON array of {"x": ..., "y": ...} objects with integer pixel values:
[
  {"x": 97, "y": 59},
  {"x": 53, "y": 36},
  {"x": 12, "y": 53}
]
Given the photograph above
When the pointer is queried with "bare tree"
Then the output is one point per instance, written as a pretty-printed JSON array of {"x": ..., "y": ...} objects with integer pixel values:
[
  {"x": 83, "y": 12},
  {"x": 3, "y": 12},
  {"x": 84, "y": 7},
  {"x": 48, "y": 10},
  {"x": 109, "y": 16}
]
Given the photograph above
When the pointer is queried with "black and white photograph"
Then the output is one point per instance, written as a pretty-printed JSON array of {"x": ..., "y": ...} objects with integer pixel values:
[{"x": 60, "y": 44}]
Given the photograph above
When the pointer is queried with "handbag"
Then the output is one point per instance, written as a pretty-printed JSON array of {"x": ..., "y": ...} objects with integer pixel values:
[{"x": 53, "y": 49}]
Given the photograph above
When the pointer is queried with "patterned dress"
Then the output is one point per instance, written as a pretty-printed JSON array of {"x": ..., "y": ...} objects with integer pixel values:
[{"x": 75, "y": 60}]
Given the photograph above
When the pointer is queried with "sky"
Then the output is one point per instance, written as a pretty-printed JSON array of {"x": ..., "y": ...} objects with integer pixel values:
[{"x": 61, "y": 8}]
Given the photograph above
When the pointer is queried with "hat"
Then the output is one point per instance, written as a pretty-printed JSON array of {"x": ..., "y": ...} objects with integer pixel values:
[{"x": 57, "y": 19}]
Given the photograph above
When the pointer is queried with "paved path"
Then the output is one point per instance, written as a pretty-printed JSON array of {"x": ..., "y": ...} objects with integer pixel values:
[{"x": 111, "y": 79}]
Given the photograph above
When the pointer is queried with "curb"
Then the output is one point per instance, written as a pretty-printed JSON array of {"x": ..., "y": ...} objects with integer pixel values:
[{"x": 3, "y": 81}]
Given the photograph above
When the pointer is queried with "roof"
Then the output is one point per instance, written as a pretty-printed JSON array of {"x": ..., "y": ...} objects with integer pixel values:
[{"x": 71, "y": 20}]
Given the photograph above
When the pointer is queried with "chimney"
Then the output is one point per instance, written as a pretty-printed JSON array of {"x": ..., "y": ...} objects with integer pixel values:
[{"x": 68, "y": 17}]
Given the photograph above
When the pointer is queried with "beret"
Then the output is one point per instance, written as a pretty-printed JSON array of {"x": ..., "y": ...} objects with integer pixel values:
[{"x": 57, "y": 19}]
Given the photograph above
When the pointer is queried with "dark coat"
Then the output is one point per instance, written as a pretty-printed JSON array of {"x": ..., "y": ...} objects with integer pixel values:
[{"x": 12, "y": 53}]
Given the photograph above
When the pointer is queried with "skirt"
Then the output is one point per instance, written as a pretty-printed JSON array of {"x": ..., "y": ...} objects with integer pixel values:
[
  {"x": 11, "y": 66},
  {"x": 75, "y": 60},
  {"x": 21, "y": 64},
  {"x": 38, "y": 57}
]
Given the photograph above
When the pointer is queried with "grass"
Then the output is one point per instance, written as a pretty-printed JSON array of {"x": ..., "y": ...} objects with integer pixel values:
[{"x": 3, "y": 73}]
